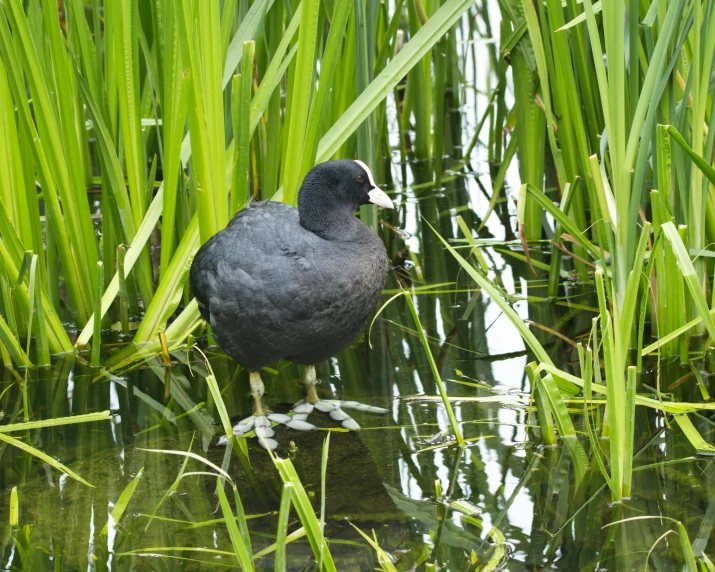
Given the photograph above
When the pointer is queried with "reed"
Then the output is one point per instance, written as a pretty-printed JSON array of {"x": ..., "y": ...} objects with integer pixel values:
[
  {"x": 130, "y": 88},
  {"x": 617, "y": 153},
  {"x": 135, "y": 125},
  {"x": 30, "y": 425},
  {"x": 182, "y": 112}
]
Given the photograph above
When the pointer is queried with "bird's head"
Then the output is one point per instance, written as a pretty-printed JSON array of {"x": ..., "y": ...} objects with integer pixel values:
[{"x": 343, "y": 182}]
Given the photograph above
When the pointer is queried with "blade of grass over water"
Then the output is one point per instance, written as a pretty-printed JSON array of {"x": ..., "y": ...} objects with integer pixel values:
[
  {"x": 435, "y": 371},
  {"x": 55, "y": 422},
  {"x": 323, "y": 477},
  {"x": 122, "y": 502},
  {"x": 382, "y": 557},
  {"x": 514, "y": 318},
  {"x": 305, "y": 512},
  {"x": 194, "y": 456},
  {"x": 241, "y": 549},
  {"x": 54, "y": 463},
  {"x": 171, "y": 490},
  {"x": 557, "y": 406},
  {"x": 14, "y": 508},
  {"x": 282, "y": 534}
]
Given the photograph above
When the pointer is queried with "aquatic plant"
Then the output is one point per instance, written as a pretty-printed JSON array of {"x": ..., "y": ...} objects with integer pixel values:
[
  {"x": 567, "y": 59},
  {"x": 131, "y": 131},
  {"x": 110, "y": 96}
]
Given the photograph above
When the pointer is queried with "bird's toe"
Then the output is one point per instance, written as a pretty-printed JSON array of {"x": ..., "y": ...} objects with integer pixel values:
[
  {"x": 326, "y": 405},
  {"x": 268, "y": 444},
  {"x": 279, "y": 417},
  {"x": 244, "y": 426},
  {"x": 362, "y": 407},
  {"x": 303, "y": 407},
  {"x": 351, "y": 424}
]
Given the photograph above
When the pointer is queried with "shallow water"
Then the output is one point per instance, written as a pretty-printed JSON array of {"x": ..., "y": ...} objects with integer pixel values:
[
  {"x": 516, "y": 500},
  {"x": 506, "y": 501}
]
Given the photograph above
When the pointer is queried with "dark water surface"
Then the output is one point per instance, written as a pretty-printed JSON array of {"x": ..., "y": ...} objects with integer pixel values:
[
  {"x": 506, "y": 501},
  {"x": 516, "y": 504}
]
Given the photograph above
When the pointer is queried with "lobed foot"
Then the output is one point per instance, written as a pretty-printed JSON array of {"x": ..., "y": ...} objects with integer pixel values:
[
  {"x": 336, "y": 409},
  {"x": 261, "y": 421},
  {"x": 262, "y": 428}
]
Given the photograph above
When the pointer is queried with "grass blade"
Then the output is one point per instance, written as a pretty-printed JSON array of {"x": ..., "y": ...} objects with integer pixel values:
[
  {"x": 43, "y": 457},
  {"x": 174, "y": 117},
  {"x": 409, "y": 56},
  {"x": 435, "y": 370},
  {"x": 383, "y": 558},
  {"x": 689, "y": 275},
  {"x": 122, "y": 502},
  {"x": 300, "y": 100},
  {"x": 494, "y": 294},
  {"x": 242, "y": 552},
  {"x": 194, "y": 456},
  {"x": 305, "y": 511},
  {"x": 55, "y": 422},
  {"x": 14, "y": 508},
  {"x": 328, "y": 67},
  {"x": 693, "y": 435},
  {"x": 240, "y": 108},
  {"x": 96, "y": 345},
  {"x": 323, "y": 479},
  {"x": 282, "y": 532}
]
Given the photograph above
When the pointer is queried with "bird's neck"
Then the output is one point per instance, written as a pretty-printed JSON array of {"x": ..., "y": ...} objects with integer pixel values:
[
  {"x": 323, "y": 214},
  {"x": 337, "y": 223}
]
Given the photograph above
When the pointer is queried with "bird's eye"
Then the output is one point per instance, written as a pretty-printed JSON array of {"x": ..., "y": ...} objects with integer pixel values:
[{"x": 358, "y": 179}]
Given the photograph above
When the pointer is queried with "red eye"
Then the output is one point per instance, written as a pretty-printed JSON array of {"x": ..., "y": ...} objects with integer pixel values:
[{"x": 358, "y": 179}]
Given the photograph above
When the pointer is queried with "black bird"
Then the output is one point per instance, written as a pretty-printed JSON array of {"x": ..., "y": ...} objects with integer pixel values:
[{"x": 295, "y": 284}]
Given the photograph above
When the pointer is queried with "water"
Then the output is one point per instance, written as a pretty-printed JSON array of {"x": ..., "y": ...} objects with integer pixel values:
[
  {"x": 505, "y": 500},
  {"x": 517, "y": 503}
]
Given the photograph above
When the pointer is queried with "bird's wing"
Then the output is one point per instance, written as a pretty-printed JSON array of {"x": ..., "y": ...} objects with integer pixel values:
[{"x": 265, "y": 267}]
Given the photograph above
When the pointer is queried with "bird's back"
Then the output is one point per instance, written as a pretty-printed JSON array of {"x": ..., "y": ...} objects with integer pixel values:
[{"x": 273, "y": 290}]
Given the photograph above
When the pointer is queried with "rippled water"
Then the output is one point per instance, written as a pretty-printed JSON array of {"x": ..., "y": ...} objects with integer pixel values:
[
  {"x": 513, "y": 496},
  {"x": 506, "y": 501}
]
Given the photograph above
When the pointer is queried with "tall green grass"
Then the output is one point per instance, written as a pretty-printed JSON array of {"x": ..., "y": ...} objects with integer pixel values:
[
  {"x": 180, "y": 112},
  {"x": 606, "y": 89},
  {"x": 136, "y": 126},
  {"x": 138, "y": 99}
]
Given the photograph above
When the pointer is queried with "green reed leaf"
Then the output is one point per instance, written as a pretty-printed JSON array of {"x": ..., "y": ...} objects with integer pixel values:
[
  {"x": 123, "y": 501},
  {"x": 242, "y": 550},
  {"x": 43, "y": 457}
]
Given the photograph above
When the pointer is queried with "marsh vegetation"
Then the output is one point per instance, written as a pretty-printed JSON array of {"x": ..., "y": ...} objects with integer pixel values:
[{"x": 544, "y": 343}]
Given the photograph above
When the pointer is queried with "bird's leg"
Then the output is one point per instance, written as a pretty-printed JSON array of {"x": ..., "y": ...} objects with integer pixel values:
[
  {"x": 259, "y": 421},
  {"x": 262, "y": 419},
  {"x": 257, "y": 391},
  {"x": 335, "y": 407},
  {"x": 309, "y": 381}
]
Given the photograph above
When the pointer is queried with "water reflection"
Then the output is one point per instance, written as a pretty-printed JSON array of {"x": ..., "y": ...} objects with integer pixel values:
[
  {"x": 502, "y": 499},
  {"x": 382, "y": 478}
]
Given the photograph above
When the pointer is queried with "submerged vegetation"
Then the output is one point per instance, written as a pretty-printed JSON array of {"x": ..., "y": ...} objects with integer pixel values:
[{"x": 131, "y": 131}]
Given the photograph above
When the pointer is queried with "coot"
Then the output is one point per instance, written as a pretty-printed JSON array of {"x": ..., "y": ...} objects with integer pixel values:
[{"x": 295, "y": 284}]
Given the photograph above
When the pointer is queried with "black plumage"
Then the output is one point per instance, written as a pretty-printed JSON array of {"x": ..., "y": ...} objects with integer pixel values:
[{"x": 296, "y": 284}]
